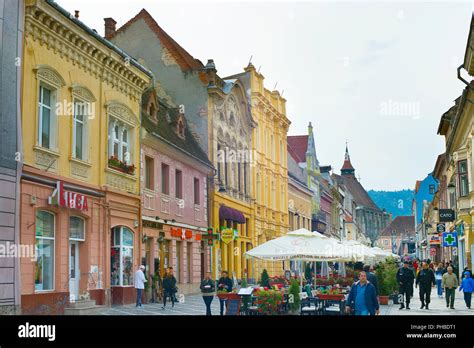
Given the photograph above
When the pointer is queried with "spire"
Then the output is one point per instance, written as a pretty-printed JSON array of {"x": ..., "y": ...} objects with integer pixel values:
[
  {"x": 311, "y": 148},
  {"x": 347, "y": 167}
]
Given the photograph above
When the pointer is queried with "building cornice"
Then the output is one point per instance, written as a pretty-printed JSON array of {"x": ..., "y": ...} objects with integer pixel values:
[{"x": 52, "y": 30}]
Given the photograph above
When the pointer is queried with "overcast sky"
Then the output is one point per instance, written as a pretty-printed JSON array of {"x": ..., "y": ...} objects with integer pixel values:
[{"x": 376, "y": 73}]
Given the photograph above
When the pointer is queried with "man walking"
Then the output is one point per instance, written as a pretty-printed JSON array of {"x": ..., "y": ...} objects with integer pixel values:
[
  {"x": 225, "y": 284},
  {"x": 405, "y": 278},
  {"x": 426, "y": 279},
  {"x": 140, "y": 284},
  {"x": 450, "y": 283},
  {"x": 362, "y": 299},
  {"x": 207, "y": 289}
]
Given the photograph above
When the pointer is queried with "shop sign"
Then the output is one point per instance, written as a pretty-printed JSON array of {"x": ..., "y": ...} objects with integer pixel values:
[
  {"x": 460, "y": 229},
  {"x": 152, "y": 224},
  {"x": 67, "y": 199},
  {"x": 446, "y": 215},
  {"x": 433, "y": 239},
  {"x": 449, "y": 239},
  {"x": 433, "y": 251},
  {"x": 228, "y": 234},
  {"x": 210, "y": 236},
  {"x": 440, "y": 228},
  {"x": 181, "y": 233}
]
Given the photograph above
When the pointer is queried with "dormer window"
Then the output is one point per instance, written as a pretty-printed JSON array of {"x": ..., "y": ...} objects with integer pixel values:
[{"x": 152, "y": 112}]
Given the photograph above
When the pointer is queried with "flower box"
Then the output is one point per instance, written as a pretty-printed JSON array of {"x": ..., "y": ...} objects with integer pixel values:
[
  {"x": 335, "y": 297},
  {"x": 121, "y": 166},
  {"x": 223, "y": 295}
]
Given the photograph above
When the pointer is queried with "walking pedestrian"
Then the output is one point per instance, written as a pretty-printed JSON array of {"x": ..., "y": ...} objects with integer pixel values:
[
  {"x": 426, "y": 280},
  {"x": 362, "y": 299},
  {"x": 467, "y": 285},
  {"x": 224, "y": 284},
  {"x": 207, "y": 289},
  {"x": 450, "y": 283},
  {"x": 140, "y": 281},
  {"x": 405, "y": 278},
  {"x": 439, "y": 279},
  {"x": 169, "y": 287},
  {"x": 372, "y": 278}
]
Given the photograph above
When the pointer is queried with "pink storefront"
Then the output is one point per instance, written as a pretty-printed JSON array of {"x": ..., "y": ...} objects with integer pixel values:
[{"x": 174, "y": 196}]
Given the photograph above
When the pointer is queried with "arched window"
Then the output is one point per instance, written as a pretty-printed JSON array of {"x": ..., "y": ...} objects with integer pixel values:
[
  {"x": 44, "y": 265},
  {"x": 121, "y": 255}
]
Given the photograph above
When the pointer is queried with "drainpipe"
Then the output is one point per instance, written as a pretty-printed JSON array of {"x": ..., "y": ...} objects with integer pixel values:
[{"x": 459, "y": 75}]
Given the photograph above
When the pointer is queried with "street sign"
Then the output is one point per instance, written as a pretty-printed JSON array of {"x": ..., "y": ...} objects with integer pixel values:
[
  {"x": 440, "y": 228},
  {"x": 446, "y": 215},
  {"x": 449, "y": 239}
]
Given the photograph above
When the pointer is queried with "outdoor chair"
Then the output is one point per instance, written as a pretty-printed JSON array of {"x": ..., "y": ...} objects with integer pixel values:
[
  {"x": 333, "y": 307},
  {"x": 253, "y": 308},
  {"x": 310, "y": 306}
]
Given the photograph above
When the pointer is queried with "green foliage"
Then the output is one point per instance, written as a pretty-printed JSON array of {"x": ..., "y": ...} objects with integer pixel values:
[
  {"x": 265, "y": 279},
  {"x": 294, "y": 300},
  {"x": 387, "y": 277}
]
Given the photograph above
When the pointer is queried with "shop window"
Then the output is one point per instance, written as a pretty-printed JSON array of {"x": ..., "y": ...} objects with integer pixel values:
[
  {"x": 196, "y": 192},
  {"x": 463, "y": 178},
  {"x": 121, "y": 256},
  {"x": 149, "y": 173},
  {"x": 432, "y": 189},
  {"x": 179, "y": 183},
  {"x": 44, "y": 265},
  {"x": 77, "y": 229},
  {"x": 165, "y": 179}
]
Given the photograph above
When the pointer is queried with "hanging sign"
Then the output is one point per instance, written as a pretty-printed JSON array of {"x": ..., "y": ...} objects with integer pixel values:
[
  {"x": 440, "y": 228},
  {"x": 227, "y": 235},
  {"x": 67, "y": 199},
  {"x": 210, "y": 236},
  {"x": 446, "y": 215},
  {"x": 449, "y": 239},
  {"x": 433, "y": 239}
]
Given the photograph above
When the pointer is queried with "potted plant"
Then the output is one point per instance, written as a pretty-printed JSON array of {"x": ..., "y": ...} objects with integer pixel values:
[
  {"x": 294, "y": 300},
  {"x": 390, "y": 278},
  {"x": 265, "y": 279},
  {"x": 383, "y": 291},
  {"x": 268, "y": 301},
  {"x": 245, "y": 299}
]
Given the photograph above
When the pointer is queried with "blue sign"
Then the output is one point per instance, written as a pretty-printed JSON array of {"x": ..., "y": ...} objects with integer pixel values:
[
  {"x": 460, "y": 229},
  {"x": 450, "y": 239}
]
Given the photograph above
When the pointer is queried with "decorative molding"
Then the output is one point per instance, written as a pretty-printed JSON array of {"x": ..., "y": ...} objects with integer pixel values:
[
  {"x": 73, "y": 45},
  {"x": 83, "y": 93},
  {"x": 79, "y": 169},
  {"x": 119, "y": 181},
  {"x": 122, "y": 113},
  {"x": 46, "y": 159},
  {"x": 49, "y": 75}
]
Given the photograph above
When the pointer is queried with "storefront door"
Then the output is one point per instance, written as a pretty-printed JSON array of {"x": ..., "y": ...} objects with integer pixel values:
[{"x": 74, "y": 273}]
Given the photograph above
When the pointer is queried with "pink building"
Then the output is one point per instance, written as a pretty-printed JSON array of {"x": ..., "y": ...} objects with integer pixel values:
[
  {"x": 399, "y": 236},
  {"x": 174, "y": 195}
]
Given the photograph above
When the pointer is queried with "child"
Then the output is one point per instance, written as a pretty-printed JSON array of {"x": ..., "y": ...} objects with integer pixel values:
[{"x": 467, "y": 286}]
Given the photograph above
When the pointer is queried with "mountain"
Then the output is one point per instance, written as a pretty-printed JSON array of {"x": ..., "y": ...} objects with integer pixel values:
[{"x": 395, "y": 202}]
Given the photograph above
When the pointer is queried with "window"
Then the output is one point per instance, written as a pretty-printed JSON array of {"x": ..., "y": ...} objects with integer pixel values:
[
  {"x": 149, "y": 173},
  {"x": 196, "y": 191},
  {"x": 79, "y": 130},
  {"x": 179, "y": 183},
  {"x": 120, "y": 140},
  {"x": 44, "y": 265},
  {"x": 463, "y": 178},
  {"x": 432, "y": 189},
  {"x": 181, "y": 128},
  {"x": 77, "y": 229},
  {"x": 239, "y": 178},
  {"x": 121, "y": 255},
  {"x": 245, "y": 178},
  {"x": 165, "y": 179},
  {"x": 219, "y": 163},
  {"x": 46, "y": 120}
]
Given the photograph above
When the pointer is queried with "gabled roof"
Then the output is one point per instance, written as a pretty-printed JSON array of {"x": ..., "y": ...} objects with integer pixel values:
[
  {"x": 165, "y": 128},
  {"x": 400, "y": 226},
  {"x": 297, "y": 146},
  {"x": 360, "y": 195},
  {"x": 185, "y": 60}
]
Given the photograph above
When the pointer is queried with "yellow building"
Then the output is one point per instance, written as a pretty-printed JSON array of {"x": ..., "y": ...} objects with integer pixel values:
[
  {"x": 230, "y": 146},
  {"x": 270, "y": 173},
  {"x": 81, "y": 154},
  {"x": 457, "y": 127}
]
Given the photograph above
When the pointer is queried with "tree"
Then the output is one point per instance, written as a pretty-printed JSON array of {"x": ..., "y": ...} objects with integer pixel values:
[
  {"x": 265, "y": 279},
  {"x": 294, "y": 300}
]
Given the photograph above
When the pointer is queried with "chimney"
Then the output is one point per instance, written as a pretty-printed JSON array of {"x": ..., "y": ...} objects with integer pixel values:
[
  {"x": 76, "y": 14},
  {"x": 109, "y": 24}
]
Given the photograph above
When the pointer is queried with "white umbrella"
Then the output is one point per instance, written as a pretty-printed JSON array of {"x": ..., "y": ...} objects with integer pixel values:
[{"x": 300, "y": 245}]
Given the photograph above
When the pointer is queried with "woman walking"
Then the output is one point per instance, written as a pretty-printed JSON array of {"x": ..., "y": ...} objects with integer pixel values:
[
  {"x": 169, "y": 286},
  {"x": 439, "y": 279},
  {"x": 207, "y": 289}
]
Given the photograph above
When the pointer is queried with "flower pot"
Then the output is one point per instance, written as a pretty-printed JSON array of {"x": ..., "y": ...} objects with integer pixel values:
[
  {"x": 336, "y": 297},
  {"x": 383, "y": 300},
  {"x": 223, "y": 296}
]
